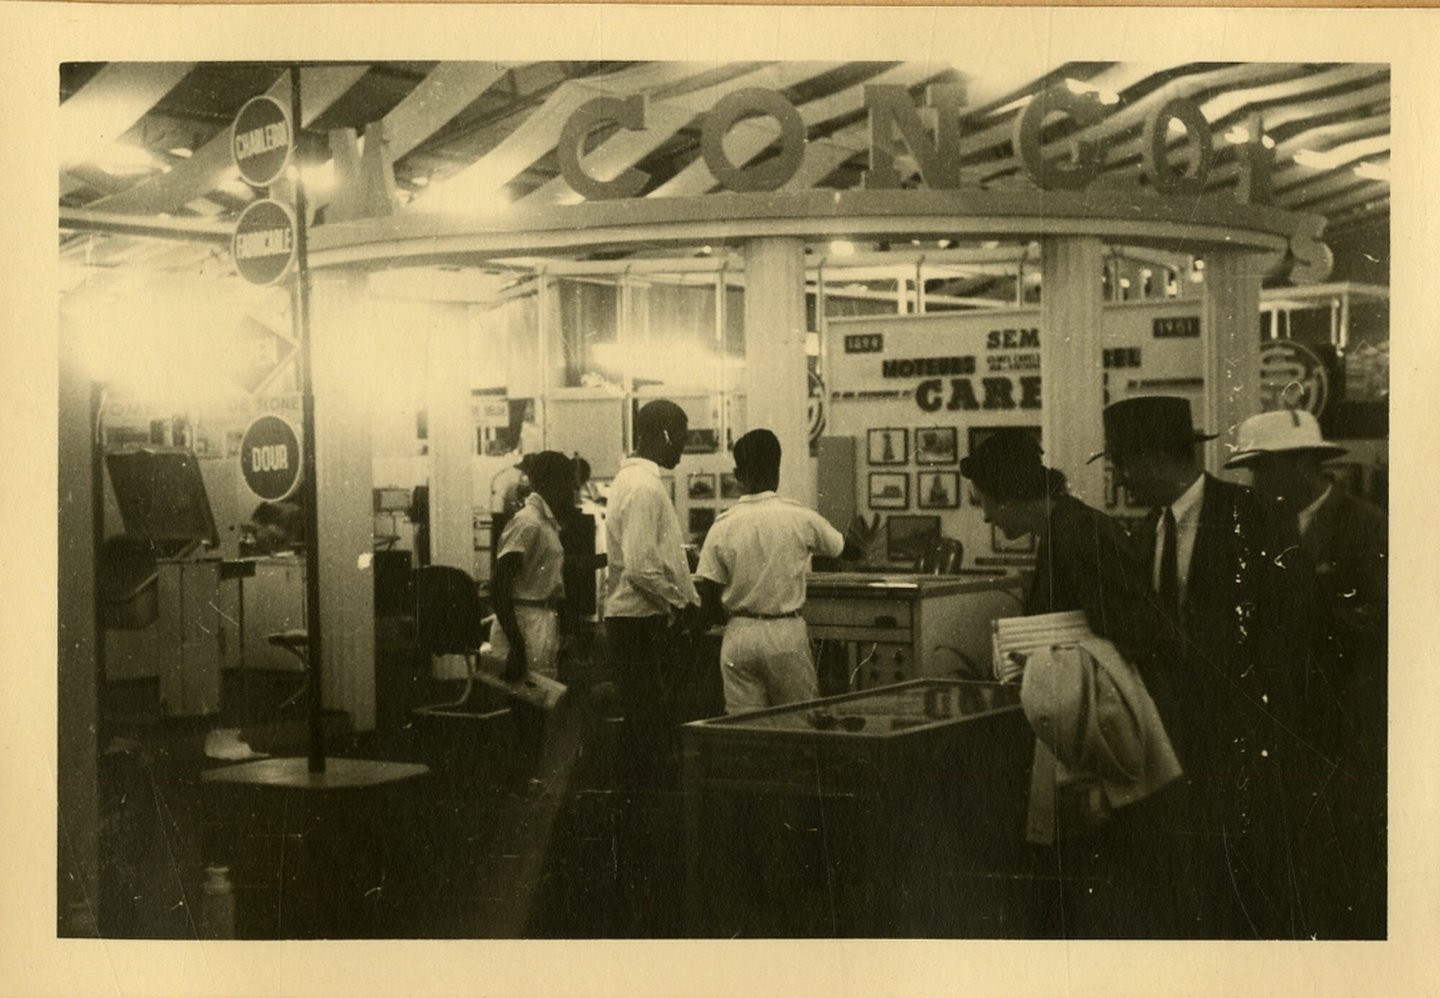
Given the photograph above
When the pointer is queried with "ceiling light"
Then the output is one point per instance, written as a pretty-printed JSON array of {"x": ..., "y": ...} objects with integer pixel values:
[
  {"x": 121, "y": 160},
  {"x": 842, "y": 247},
  {"x": 1106, "y": 97},
  {"x": 1316, "y": 160}
]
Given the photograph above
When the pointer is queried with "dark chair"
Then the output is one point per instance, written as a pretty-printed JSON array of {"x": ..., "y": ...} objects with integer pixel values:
[
  {"x": 943, "y": 556},
  {"x": 449, "y": 620}
]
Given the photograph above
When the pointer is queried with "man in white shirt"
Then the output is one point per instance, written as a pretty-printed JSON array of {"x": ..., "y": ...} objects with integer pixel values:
[
  {"x": 649, "y": 591},
  {"x": 753, "y": 564}
]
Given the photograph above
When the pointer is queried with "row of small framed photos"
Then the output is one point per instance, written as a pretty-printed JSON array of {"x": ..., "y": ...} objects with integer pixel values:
[
  {"x": 933, "y": 490},
  {"x": 706, "y": 486},
  {"x": 890, "y": 445},
  {"x": 934, "y": 445}
]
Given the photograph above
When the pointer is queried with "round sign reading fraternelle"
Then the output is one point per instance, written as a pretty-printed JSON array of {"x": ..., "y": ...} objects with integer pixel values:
[
  {"x": 1293, "y": 376},
  {"x": 270, "y": 458},
  {"x": 260, "y": 141},
  {"x": 264, "y": 242}
]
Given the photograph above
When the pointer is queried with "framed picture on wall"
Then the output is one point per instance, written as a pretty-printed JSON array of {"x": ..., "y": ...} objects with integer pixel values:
[
  {"x": 937, "y": 445},
  {"x": 979, "y": 434},
  {"x": 937, "y": 490},
  {"x": 729, "y": 486},
  {"x": 700, "y": 487},
  {"x": 1000, "y": 544},
  {"x": 907, "y": 537},
  {"x": 889, "y": 490},
  {"x": 890, "y": 445},
  {"x": 702, "y": 441}
]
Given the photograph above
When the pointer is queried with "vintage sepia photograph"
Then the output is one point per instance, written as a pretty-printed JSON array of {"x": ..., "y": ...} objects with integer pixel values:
[{"x": 349, "y": 645}]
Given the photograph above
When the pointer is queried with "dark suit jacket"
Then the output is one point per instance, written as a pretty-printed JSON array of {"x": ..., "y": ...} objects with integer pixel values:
[
  {"x": 1086, "y": 561},
  {"x": 1224, "y": 674},
  {"x": 1344, "y": 694}
]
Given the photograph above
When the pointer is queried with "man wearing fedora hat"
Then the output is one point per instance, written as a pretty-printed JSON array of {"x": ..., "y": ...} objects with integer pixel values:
[
  {"x": 1338, "y": 779},
  {"x": 1221, "y": 564}
]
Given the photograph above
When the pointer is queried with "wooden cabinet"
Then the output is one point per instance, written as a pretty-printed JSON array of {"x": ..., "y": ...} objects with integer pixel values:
[
  {"x": 895, "y": 812},
  {"x": 894, "y": 628}
]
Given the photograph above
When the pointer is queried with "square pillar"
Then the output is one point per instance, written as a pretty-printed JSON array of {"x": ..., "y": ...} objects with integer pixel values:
[
  {"x": 1072, "y": 377},
  {"x": 1230, "y": 345},
  {"x": 776, "y": 379},
  {"x": 343, "y": 378},
  {"x": 451, "y": 431}
]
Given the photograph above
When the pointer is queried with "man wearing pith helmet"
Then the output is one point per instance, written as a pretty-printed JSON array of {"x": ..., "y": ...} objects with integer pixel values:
[
  {"x": 1339, "y": 778},
  {"x": 1216, "y": 554}
]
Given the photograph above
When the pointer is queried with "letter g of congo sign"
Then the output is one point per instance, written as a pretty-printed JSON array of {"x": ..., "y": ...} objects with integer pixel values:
[{"x": 270, "y": 458}]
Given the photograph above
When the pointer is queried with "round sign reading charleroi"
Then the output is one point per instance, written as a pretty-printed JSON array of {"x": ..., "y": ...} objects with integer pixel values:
[
  {"x": 270, "y": 458},
  {"x": 261, "y": 141},
  {"x": 263, "y": 246}
]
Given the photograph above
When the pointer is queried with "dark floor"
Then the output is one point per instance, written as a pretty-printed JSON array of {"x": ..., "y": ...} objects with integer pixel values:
[
  {"x": 467, "y": 852},
  {"x": 474, "y": 853}
]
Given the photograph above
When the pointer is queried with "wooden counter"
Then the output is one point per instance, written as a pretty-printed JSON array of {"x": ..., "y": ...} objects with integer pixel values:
[{"x": 896, "y": 627}]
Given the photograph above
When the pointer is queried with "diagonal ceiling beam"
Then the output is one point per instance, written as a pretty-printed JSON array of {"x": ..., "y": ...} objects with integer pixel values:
[
  {"x": 211, "y": 164},
  {"x": 540, "y": 132},
  {"x": 450, "y": 88},
  {"x": 110, "y": 103}
]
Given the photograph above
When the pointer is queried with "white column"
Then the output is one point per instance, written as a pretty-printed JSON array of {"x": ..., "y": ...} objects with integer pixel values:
[
  {"x": 451, "y": 432},
  {"x": 1230, "y": 340},
  {"x": 1072, "y": 378},
  {"x": 343, "y": 380},
  {"x": 775, "y": 373}
]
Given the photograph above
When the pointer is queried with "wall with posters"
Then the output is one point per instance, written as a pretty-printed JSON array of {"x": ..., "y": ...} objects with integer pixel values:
[{"x": 919, "y": 392}]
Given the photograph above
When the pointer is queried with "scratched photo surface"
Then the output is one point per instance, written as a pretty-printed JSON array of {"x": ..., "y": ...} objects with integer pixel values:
[{"x": 316, "y": 317}]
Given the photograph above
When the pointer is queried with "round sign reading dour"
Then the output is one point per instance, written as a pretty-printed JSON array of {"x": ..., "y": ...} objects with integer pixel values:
[
  {"x": 264, "y": 242},
  {"x": 270, "y": 458},
  {"x": 260, "y": 141}
]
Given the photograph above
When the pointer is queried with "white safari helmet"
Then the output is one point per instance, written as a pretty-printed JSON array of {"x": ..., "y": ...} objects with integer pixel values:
[{"x": 1279, "y": 432}]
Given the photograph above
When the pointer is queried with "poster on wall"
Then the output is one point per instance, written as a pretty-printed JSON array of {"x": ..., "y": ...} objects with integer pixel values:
[
  {"x": 912, "y": 386},
  {"x": 889, "y": 490},
  {"x": 937, "y": 490},
  {"x": 889, "y": 446},
  {"x": 936, "y": 445}
]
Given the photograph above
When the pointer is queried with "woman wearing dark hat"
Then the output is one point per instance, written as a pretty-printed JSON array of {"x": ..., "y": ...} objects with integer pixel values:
[{"x": 1085, "y": 561}]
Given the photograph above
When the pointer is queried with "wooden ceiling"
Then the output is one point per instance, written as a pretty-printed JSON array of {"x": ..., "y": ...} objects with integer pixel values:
[{"x": 150, "y": 141}]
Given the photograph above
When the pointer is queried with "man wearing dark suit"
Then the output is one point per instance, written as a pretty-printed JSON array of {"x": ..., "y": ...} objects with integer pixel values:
[
  {"x": 1337, "y": 780},
  {"x": 1226, "y": 575}
]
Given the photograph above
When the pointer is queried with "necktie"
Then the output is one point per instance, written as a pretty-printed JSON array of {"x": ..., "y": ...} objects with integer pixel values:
[{"x": 1169, "y": 565}]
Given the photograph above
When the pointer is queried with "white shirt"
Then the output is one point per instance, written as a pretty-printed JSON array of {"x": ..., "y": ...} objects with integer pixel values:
[
  {"x": 1187, "y": 524},
  {"x": 534, "y": 533},
  {"x": 648, "y": 570},
  {"x": 1307, "y": 515},
  {"x": 759, "y": 550}
]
